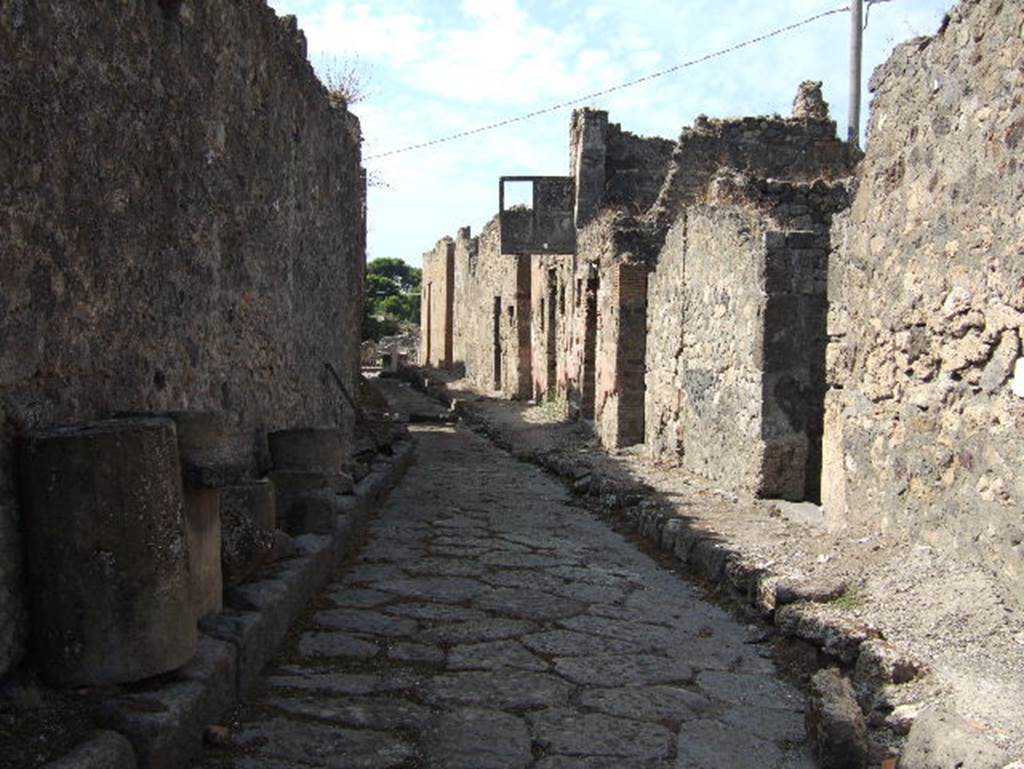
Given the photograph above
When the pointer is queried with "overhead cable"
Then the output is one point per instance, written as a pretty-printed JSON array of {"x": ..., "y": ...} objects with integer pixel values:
[{"x": 612, "y": 89}]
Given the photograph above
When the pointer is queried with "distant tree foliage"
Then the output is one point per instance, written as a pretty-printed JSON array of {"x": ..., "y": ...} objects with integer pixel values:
[{"x": 392, "y": 297}]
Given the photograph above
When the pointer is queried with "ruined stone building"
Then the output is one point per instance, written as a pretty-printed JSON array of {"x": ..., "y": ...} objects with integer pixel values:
[
  {"x": 760, "y": 305},
  {"x": 635, "y": 326},
  {"x": 181, "y": 232}
]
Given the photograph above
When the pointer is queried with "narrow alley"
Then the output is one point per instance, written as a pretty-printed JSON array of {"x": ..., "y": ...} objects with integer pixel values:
[
  {"x": 489, "y": 624},
  {"x": 511, "y": 385}
]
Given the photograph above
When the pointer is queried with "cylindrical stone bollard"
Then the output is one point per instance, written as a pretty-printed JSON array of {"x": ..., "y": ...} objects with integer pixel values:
[{"x": 107, "y": 552}]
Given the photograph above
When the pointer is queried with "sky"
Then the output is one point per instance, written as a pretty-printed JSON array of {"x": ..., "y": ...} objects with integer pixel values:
[{"x": 432, "y": 68}]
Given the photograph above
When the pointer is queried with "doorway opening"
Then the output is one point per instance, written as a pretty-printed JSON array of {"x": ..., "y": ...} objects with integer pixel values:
[
  {"x": 588, "y": 407},
  {"x": 497, "y": 343}
]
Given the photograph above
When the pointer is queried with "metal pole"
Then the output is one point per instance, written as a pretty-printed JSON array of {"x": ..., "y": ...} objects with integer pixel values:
[{"x": 856, "y": 51}]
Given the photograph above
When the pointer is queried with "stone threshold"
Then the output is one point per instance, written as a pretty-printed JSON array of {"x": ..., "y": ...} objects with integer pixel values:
[
  {"x": 160, "y": 723},
  {"x": 847, "y": 649}
]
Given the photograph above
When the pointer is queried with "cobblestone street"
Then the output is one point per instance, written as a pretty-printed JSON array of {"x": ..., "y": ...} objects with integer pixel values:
[{"x": 489, "y": 624}]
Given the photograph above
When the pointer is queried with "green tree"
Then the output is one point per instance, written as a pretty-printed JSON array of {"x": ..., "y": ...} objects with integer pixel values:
[
  {"x": 379, "y": 287},
  {"x": 403, "y": 275},
  {"x": 392, "y": 296}
]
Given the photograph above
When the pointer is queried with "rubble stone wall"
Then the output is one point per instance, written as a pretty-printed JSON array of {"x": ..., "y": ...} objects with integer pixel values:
[
  {"x": 635, "y": 169},
  {"x": 736, "y": 335},
  {"x": 923, "y": 433},
  {"x": 182, "y": 218},
  {"x": 797, "y": 149},
  {"x": 704, "y": 387}
]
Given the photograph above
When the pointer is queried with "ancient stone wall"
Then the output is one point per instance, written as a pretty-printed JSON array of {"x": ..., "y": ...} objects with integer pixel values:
[
  {"x": 181, "y": 208},
  {"x": 589, "y": 329},
  {"x": 736, "y": 336},
  {"x": 635, "y": 169},
  {"x": 553, "y": 333},
  {"x": 587, "y": 340},
  {"x": 624, "y": 405},
  {"x": 706, "y": 297},
  {"x": 612, "y": 167},
  {"x": 923, "y": 432},
  {"x": 464, "y": 292},
  {"x": 610, "y": 329},
  {"x": 493, "y": 313},
  {"x": 437, "y": 305}
]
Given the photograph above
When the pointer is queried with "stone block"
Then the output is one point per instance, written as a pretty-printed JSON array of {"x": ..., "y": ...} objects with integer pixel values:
[
  {"x": 314, "y": 449},
  {"x": 839, "y": 638},
  {"x": 248, "y": 522},
  {"x": 314, "y": 512},
  {"x": 213, "y": 452},
  {"x": 101, "y": 750},
  {"x": 165, "y": 724},
  {"x": 258, "y": 614},
  {"x": 203, "y": 533},
  {"x": 835, "y": 724},
  {"x": 708, "y": 557},
  {"x": 789, "y": 590},
  {"x": 107, "y": 552},
  {"x": 940, "y": 739},
  {"x": 880, "y": 663}
]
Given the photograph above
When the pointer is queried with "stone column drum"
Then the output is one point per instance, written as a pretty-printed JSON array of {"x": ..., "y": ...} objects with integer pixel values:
[
  {"x": 309, "y": 478},
  {"x": 107, "y": 553}
]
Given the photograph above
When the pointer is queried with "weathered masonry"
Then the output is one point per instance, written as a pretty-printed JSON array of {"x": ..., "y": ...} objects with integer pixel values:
[
  {"x": 926, "y": 375},
  {"x": 759, "y": 307},
  {"x": 436, "y": 305},
  {"x": 182, "y": 238},
  {"x": 646, "y": 327}
]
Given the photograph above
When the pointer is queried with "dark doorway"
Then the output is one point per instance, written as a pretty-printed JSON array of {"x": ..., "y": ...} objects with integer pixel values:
[
  {"x": 429, "y": 330},
  {"x": 587, "y": 408},
  {"x": 552, "y": 333},
  {"x": 497, "y": 343}
]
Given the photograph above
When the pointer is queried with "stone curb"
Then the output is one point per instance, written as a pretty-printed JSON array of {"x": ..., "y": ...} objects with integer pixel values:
[
  {"x": 102, "y": 750},
  {"x": 706, "y": 554},
  {"x": 165, "y": 722}
]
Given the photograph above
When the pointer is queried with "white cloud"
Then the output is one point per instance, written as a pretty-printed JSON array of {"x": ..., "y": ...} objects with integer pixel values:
[{"x": 443, "y": 66}]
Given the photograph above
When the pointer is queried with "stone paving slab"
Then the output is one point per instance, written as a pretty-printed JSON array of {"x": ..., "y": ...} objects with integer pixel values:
[
  {"x": 359, "y": 712},
  {"x": 473, "y": 738},
  {"x": 330, "y": 746},
  {"x": 489, "y": 624},
  {"x": 569, "y": 732}
]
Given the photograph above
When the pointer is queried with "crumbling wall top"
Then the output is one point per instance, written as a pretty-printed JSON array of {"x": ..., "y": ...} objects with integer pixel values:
[{"x": 789, "y": 205}]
